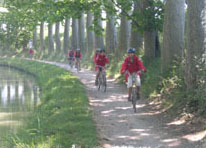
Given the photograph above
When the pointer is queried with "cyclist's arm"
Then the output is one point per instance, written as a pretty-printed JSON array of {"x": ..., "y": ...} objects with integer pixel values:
[
  {"x": 106, "y": 60},
  {"x": 80, "y": 56}
]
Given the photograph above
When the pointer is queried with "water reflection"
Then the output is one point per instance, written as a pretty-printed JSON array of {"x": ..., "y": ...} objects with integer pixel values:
[{"x": 18, "y": 97}]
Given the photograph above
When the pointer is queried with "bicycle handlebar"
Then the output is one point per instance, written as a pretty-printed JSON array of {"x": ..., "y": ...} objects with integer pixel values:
[{"x": 138, "y": 72}]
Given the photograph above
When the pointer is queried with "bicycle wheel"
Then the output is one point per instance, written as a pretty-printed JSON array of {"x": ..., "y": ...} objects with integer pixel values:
[
  {"x": 77, "y": 67},
  {"x": 99, "y": 81},
  {"x": 104, "y": 84},
  {"x": 134, "y": 99}
]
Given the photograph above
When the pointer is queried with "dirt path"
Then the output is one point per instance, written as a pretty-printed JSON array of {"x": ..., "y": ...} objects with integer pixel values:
[{"x": 118, "y": 126}]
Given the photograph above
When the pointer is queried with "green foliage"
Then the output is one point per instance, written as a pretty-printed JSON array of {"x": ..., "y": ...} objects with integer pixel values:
[
  {"x": 198, "y": 95},
  {"x": 23, "y": 16},
  {"x": 172, "y": 82},
  {"x": 153, "y": 15},
  {"x": 151, "y": 78},
  {"x": 63, "y": 118}
]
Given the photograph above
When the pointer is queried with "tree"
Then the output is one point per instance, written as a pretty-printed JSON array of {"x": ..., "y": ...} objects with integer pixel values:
[
  {"x": 35, "y": 37},
  {"x": 111, "y": 32},
  {"x": 42, "y": 42},
  {"x": 75, "y": 39},
  {"x": 149, "y": 31},
  {"x": 99, "y": 37},
  {"x": 50, "y": 37},
  {"x": 173, "y": 32},
  {"x": 195, "y": 54},
  {"x": 90, "y": 33},
  {"x": 123, "y": 35},
  {"x": 57, "y": 37},
  {"x": 66, "y": 35},
  {"x": 136, "y": 39},
  {"x": 82, "y": 32}
]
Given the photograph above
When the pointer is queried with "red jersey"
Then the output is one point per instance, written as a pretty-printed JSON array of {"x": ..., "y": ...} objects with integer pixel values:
[
  {"x": 78, "y": 55},
  {"x": 132, "y": 65},
  {"x": 102, "y": 60},
  {"x": 70, "y": 54},
  {"x": 31, "y": 51}
]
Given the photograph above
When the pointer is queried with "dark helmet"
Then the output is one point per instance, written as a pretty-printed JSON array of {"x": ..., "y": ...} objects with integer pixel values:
[
  {"x": 102, "y": 50},
  {"x": 98, "y": 49},
  {"x": 131, "y": 50}
]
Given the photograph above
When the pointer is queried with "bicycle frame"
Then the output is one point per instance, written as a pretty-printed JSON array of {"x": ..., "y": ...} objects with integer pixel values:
[
  {"x": 71, "y": 62},
  {"x": 102, "y": 79},
  {"x": 134, "y": 91},
  {"x": 78, "y": 64}
]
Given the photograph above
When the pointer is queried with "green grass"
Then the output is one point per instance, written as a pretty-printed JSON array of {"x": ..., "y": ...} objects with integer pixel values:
[
  {"x": 151, "y": 78},
  {"x": 63, "y": 117}
]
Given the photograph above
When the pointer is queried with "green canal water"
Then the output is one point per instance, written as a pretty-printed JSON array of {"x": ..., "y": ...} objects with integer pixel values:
[{"x": 18, "y": 97}]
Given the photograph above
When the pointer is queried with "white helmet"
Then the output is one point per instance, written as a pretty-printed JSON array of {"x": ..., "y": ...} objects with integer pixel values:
[{"x": 78, "y": 49}]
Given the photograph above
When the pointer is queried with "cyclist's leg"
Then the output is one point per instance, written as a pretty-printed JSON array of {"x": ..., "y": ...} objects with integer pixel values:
[
  {"x": 129, "y": 86},
  {"x": 79, "y": 64},
  {"x": 70, "y": 62},
  {"x": 97, "y": 76},
  {"x": 138, "y": 84}
]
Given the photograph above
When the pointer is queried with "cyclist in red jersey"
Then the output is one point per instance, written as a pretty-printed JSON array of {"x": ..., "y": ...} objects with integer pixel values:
[
  {"x": 130, "y": 65},
  {"x": 101, "y": 61}
]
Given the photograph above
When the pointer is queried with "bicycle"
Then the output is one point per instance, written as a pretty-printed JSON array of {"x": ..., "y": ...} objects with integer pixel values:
[
  {"x": 77, "y": 64},
  {"x": 71, "y": 62},
  {"x": 134, "y": 96},
  {"x": 102, "y": 81}
]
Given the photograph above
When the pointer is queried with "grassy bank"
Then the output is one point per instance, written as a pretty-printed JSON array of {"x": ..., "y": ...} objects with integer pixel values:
[{"x": 63, "y": 117}]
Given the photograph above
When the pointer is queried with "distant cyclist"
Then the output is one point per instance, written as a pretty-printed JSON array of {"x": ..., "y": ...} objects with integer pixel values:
[
  {"x": 71, "y": 57},
  {"x": 132, "y": 64},
  {"x": 101, "y": 61},
  {"x": 31, "y": 50},
  {"x": 78, "y": 56}
]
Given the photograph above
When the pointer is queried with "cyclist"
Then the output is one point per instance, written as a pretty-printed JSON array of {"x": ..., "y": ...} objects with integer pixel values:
[
  {"x": 130, "y": 65},
  {"x": 71, "y": 57},
  {"x": 30, "y": 51},
  {"x": 101, "y": 61},
  {"x": 78, "y": 56},
  {"x": 95, "y": 55}
]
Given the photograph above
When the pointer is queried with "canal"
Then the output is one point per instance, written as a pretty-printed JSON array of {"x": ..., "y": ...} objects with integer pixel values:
[{"x": 18, "y": 97}]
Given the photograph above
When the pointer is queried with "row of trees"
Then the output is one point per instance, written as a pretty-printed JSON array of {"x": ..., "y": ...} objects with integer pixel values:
[
  {"x": 128, "y": 24},
  {"x": 25, "y": 16}
]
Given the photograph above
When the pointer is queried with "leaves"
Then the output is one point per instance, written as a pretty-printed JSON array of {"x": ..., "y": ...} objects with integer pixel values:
[{"x": 25, "y": 15}]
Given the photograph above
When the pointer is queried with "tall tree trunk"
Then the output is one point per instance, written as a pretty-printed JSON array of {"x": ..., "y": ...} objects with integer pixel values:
[
  {"x": 196, "y": 40},
  {"x": 149, "y": 44},
  {"x": 123, "y": 36},
  {"x": 66, "y": 35},
  {"x": 111, "y": 35},
  {"x": 173, "y": 32},
  {"x": 100, "y": 38},
  {"x": 8, "y": 46},
  {"x": 75, "y": 39},
  {"x": 136, "y": 39},
  {"x": 82, "y": 33},
  {"x": 42, "y": 36},
  {"x": 35, "y": 38},
  {"x": 150, "y": 36},
  {"x": 57, "y": 37},
  {"x": 50, "y": 37},
  {"x": 90, "y": 34}
]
